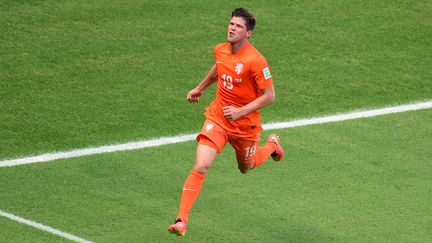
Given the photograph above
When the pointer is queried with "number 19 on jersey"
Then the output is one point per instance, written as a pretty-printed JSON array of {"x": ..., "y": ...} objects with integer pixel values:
[{"x": 227, "y": 81}]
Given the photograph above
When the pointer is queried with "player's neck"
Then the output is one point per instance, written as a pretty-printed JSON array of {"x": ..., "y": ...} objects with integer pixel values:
[{"x": 236, "y": 47}]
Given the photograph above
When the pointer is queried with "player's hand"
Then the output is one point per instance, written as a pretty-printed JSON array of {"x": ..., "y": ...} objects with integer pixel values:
[
  {"x": 232, "y": 113},
  {"x": 193, "y": 95}
]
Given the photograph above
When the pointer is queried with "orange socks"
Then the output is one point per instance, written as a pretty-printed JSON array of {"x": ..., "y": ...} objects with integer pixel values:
[
  {"x": 191, "y": 190},
  {"x": 263, "y": 153},
  {"x": 193, "y": 184}
]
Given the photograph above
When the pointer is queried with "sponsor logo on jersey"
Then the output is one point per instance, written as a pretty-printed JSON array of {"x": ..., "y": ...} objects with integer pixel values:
[
  {"x": 238, "y": 68},
  {"x": 266, "y": 73}
]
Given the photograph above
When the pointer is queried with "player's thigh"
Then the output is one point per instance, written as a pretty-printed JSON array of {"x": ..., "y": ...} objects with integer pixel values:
[
  {"x": 212, "y": 139},
  {"x": 205, "y": 157},
  {"x": 215, "y": 133}
]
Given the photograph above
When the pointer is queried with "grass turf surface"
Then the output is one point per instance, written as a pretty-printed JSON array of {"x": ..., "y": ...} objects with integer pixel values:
[
  {"x": 364, "y": 180},
  {"x": 79, "y": 74}
]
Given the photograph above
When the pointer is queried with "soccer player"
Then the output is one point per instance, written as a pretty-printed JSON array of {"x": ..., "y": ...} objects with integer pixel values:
[{"x": 244, "y": 85}]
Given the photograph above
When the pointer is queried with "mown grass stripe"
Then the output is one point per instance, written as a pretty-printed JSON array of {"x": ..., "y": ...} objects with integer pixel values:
[{"x": 189, "y": 137}]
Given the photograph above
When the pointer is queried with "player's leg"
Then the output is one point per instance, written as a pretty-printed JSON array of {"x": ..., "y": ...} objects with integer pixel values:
[
  {"x": 250, "y": 156},
  {"x": 271, "y": 148},
  {"x": 212, "y": 139},
  {"x": 246, "y": 150},
  {"x": 192, "y": 186}
]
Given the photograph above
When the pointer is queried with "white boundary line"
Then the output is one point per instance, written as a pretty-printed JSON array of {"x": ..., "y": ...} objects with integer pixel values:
[
  {"x": 190, "y": 137},
  {"x": 43, "y": 227}
]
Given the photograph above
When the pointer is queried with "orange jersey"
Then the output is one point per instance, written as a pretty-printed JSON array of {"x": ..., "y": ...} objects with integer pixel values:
[{"x": 241, "y": 77}]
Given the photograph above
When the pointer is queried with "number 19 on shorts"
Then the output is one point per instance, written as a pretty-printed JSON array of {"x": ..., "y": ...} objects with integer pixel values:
[{"x": 250, "y": 151}]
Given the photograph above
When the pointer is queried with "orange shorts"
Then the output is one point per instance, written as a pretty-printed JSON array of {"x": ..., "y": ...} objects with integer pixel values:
[{"x": 217, "y": 137}]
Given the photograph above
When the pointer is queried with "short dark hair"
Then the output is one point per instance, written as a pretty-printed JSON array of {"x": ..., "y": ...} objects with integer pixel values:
[{"x": 246, "y": 15}]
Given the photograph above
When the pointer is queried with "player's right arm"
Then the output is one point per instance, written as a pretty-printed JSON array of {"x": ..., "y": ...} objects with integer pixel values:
[{"x": 194, "y": 94}]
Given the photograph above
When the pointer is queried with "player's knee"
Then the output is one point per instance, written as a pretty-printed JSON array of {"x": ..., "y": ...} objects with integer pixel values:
[
  {"x": 202, "y": 167},
  {"x": 243, "y": 171},
  {"x": 243, "y": 168}
]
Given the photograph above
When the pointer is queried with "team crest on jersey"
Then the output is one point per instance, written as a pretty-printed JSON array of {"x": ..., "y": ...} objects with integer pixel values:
[
  {"x": 209, "y": 127},
  {"x": 239, "y": 68},
  {"x": 266, "y": 73}
]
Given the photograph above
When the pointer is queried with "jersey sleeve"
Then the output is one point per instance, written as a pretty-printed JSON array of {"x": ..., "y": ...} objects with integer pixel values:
[{"x": 261, "y": 73}]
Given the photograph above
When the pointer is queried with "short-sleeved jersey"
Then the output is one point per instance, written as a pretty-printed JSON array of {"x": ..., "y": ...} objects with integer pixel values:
[{"x": 241, "y": 77}]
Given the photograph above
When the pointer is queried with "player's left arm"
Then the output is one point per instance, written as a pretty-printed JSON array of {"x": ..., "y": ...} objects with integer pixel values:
[{"x": 268, "y": 96}]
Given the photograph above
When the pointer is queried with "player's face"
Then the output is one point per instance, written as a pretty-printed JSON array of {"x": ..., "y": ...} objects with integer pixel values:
[{"x": 237, "y": 30}]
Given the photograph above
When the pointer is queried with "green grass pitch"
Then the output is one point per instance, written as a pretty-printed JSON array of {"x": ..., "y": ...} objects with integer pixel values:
[{"x": 75, "y": 74}]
